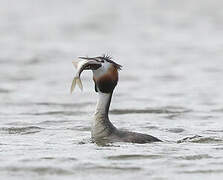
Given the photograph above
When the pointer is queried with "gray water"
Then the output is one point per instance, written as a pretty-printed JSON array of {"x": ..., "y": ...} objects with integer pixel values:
[{"x": 171, "y": 87}]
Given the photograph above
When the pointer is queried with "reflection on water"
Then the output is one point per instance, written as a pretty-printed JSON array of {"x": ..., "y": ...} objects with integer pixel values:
[{"x": 171, "y": 87}]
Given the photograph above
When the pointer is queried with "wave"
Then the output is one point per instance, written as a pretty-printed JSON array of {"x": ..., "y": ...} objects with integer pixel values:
[
  {"x": 21, "y": 130},
  {"x": 200, "y": 139},
  {"x": 162, "y": 110}
]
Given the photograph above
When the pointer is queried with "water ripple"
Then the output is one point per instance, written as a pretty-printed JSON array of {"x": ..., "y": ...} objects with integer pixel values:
[
  {"x": 39, "y": 170},
  {"x": 48, "y": 158},
  {"x": 208, "y": 171},
  {"x": 21, "y": 130},
  {"x": 165, "y": 110},
  {"x": 195, "y": 157},
  {"x": 48, "y": 104},
  {"x": 175, "y": 130},
  {"x": 67, "y": 113},
  {"x": 48, "y": 122},
  {"x": 4, "y": 91},
  {"x": 200, "y": 139},
  {"x": 64, "y": 104},
  {"x": 133, "y": 156},
  {"x": 111, "y": 168},
  {"x": 80, "y": 128}
]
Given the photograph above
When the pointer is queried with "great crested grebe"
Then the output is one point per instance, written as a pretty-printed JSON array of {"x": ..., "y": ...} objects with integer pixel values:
[{"x": 105, "y": 76}]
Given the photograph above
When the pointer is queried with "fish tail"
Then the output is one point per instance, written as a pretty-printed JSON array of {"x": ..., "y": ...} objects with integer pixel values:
[
  {"x": 73, "y": 84},
  {"x": 75, "y": 81},
  {"x": 79, "y": 83}
]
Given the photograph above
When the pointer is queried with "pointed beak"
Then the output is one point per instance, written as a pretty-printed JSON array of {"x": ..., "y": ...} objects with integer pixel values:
[{"x": 92, "y": 64}]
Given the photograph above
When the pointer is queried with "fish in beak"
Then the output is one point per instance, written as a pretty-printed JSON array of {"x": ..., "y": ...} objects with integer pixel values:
[{"x": 84, "y": 64}]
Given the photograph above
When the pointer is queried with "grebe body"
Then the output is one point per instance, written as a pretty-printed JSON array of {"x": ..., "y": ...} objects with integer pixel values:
[{"x": 105, "y": 76}]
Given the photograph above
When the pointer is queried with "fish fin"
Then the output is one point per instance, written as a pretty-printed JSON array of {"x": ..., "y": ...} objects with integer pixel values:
[
  {"x": 79, "y": 83},
  {"x": 75, "y": 63}
]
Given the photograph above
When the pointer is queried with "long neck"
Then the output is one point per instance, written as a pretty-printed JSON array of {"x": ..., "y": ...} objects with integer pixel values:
[
  {"x": 103, "y": 104},
  {"x": 102, "y": 127}
]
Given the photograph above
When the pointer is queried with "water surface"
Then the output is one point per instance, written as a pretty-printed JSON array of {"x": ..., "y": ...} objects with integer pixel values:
[{"x": 171, "y": 87}]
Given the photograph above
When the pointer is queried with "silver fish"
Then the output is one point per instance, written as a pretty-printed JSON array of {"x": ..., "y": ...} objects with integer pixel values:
[{"x": 82, "y": 65}]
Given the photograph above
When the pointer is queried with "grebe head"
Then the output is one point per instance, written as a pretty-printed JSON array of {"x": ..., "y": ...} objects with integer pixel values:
[{"x": 105, "y": 75}]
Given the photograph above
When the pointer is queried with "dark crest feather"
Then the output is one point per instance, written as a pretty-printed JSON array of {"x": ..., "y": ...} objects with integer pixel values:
[
  {"x": 106, "y": 58},
  {"x": 110, "y": 59}
]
